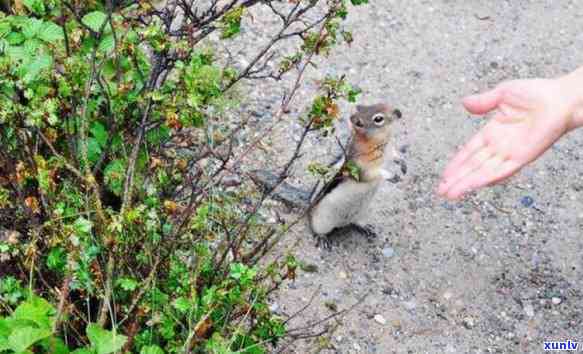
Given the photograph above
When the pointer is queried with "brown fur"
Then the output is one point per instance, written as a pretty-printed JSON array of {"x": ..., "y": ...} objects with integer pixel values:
[
  {"x": 368, "y": 153},
  {"x": 367, "y": 148},
  {"x": 344, "y": 199}
]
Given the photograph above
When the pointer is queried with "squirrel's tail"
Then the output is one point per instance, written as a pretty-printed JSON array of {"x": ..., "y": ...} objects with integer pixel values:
[{"x": 289, "y": 195}]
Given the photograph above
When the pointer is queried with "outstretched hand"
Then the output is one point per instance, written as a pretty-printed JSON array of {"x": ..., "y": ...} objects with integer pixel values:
[{"x": 529, "y": 116}]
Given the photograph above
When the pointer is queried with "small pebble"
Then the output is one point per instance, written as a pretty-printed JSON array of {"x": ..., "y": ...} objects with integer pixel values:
[
  {"x": 409, "y": 305},
  {"x": 274, "y": 307},
  {"x": 309, "y": 268},
  {"x": 331, "y": 306},
  {"x": 526, "y": 201},
  {"x": 556, "y": 300},
  {"x": 469, "y": 322},
  {"x": 447, "y": 295},
  {"x": 396, "y": 324},
  {"x": 380, "y": 319},
  {"x": 529, "y": 310},
  {"x": 342, "y": 275},
  {"x": 388, "y": 252}
]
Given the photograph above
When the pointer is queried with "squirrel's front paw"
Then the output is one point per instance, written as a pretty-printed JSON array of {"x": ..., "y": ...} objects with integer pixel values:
[
  {"x": 323, "y": 242},
  {"x": 394, "y": 177},
  {"x": 366, "y": 230}
]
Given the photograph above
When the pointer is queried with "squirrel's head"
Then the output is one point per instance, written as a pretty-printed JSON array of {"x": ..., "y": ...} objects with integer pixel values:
[{"x": 373, "y": 122}]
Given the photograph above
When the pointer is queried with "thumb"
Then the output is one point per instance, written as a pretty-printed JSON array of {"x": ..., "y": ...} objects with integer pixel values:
[{"x": 484, "y": 102}]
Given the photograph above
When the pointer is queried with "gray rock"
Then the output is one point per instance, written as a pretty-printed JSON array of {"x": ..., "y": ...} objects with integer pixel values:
[
  {"x": 409, "y": 305},
  {"x": 529, "y": 310},
  {"x": 388, "y": 252}
]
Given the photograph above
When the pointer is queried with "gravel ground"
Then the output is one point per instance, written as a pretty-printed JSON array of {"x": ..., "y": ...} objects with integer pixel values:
[{"x": 499, "y": 272}]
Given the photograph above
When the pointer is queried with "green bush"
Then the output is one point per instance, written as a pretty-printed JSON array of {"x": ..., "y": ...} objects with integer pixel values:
[{"x": 118, "y": 231}]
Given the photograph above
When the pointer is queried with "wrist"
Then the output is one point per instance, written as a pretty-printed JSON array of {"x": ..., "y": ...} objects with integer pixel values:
[{"x": 572, "y": 88}]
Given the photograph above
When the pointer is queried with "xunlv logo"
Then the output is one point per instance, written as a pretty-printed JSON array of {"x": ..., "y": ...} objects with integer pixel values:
[{"x": 561, "y": 345}]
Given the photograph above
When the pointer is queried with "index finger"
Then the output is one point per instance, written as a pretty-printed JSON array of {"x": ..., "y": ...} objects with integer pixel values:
[{"x": 454, "y": 166}]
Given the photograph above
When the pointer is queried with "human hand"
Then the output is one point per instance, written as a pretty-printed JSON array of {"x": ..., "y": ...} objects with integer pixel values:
[{"x": 530, "y": 115}]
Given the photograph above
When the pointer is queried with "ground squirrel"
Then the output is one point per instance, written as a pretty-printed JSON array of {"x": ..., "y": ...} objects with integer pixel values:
[{"x": 344, "y": 200}]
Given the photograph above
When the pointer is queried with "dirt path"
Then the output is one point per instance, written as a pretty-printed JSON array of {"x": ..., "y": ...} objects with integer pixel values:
[{"x": 500, "y": 272}]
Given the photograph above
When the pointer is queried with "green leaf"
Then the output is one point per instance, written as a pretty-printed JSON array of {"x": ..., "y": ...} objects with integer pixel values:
[
  {"x": 32, "y": 27},
  {"x": 352, "y": 169},
  {"x": 107, "y": 44},
  {"x": 5, "y": 328},
  {"x": 16, "y": 53},
  {"x": 4, "y": 344},
  {"x": 242, "y": 273},
  {"x": 15, "y": 38},
  {"x": 4, "y": 29},
  {"x": 115, "y": 176},
  {"x": 353, "y": 94},
  {"x": 3, "y": 45},
  {"x": 31, "y": 71},
  {"x": 232, "y": 22},
  {"x": 128, "y": 284},
  {"x": 359, "y": 2},
  {"x": 83, "y": 351},
  {"x": 94, "y": 20},
  {"x": 152, "y": 349},
  {"x": 93, "y": 150},
  {"x": 99, "y": 133},
  {"x": 35, "y": 6},
  {"x": 57, "y": 259},
  {"x": 22, "y": 338},
  {"x": 37, "y": 310},
  {"x": 158, "y": 135},
  {"x": 51, "y": 32},
  {"x": 54, "y": 345},
  {"x": 82, "y": 226},
  {"x": 43, "y": 179},
  {"x": 105, "y": 342},
  {"x": 182, "y": 304},
  {"x": 31, "y": 46}
]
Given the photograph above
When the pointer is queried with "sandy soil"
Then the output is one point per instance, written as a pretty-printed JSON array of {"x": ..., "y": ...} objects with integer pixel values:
[{"x": 499, "y": 272}]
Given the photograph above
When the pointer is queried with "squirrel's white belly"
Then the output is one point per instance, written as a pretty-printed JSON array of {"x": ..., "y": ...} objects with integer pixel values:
[{"x": 346, "y": 204}]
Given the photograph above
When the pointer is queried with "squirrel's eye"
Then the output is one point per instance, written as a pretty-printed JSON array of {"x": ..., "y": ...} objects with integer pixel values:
[{"x": 378, "y": 119}]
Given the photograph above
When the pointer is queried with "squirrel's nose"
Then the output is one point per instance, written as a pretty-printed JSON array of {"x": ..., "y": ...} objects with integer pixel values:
[{"x": 397, "y": 113}]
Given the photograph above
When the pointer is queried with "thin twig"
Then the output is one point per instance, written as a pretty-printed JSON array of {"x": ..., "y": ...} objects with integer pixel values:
[
  {"x": 63, "y": 300},
  {"x": 328, "y": 318}
]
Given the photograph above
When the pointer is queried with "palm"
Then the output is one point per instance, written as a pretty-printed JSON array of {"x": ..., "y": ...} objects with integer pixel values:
[{"x": 529, "y": 119}]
